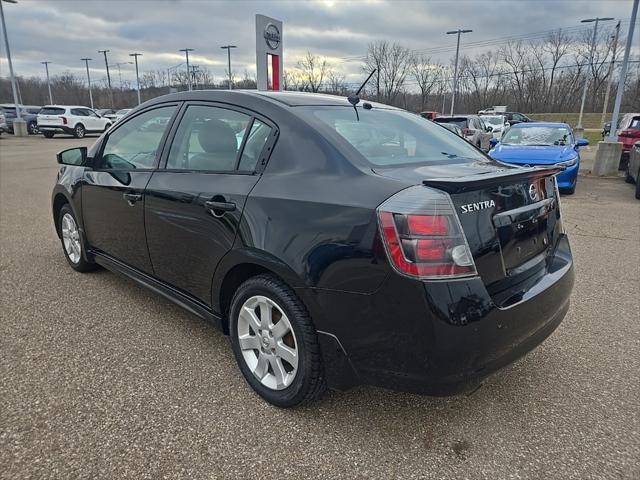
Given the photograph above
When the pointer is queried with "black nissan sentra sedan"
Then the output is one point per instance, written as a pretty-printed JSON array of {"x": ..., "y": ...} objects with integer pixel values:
[{"x": 334, "y": 244}]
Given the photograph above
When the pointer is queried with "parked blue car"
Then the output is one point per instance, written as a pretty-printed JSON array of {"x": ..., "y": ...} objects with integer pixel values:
[{"x": 542, "y": 143}]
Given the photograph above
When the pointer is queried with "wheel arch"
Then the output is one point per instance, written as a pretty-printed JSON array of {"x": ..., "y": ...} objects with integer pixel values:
[
  {"x": 237, "y": 267},
  {"x": 59, "y": 201}
]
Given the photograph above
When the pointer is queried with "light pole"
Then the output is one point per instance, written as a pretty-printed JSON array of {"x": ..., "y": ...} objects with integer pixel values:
[
  {"x": 135, "y": 56},
  {"x": 117, "y": 65},
  {"x": 186, "y": 52},
  {"x": 455, "y": 71},
  {"x": 623, "y": 73},
  {"x": 46, "y": 67},
  {"x": 610, "y": 74},
  {"x": 106, "y": 64},
  {"x": 228, "y": 48},
  {"x": 19, "y": 125},
  {"x": 86, "y": 62},
  {"x": 586, "y": 77}
]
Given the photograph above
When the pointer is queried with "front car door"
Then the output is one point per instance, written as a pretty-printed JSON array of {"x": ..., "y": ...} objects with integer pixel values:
[
  {"x": 112, "y": 192},
  {"x": 193, "y": 206}
]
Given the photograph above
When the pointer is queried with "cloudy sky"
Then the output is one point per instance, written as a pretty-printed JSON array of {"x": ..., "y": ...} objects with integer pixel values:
[{"x": 63, "y": 31}]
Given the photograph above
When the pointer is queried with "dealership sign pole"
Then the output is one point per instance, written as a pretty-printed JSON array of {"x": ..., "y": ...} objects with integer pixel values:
[{"x": 269, "y": 64}]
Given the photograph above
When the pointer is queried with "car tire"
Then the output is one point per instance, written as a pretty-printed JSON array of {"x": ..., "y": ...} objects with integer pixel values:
[
  {"x": 281, "y": 361},
  {"x": 627, "y": 176},
  {"x": 72, "y": 245},
  {"x": 48, "y": 134},
  {"x": 79, "y": 131},
  {"x": 638, "y": 186},
  {"x": 32, "y": 128}
]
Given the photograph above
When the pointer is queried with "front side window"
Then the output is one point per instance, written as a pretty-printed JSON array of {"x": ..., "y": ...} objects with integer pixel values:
[
  {"x": 136, "y": 142},
  {"x": 540, "y": 136},
  {"x": 208, "y": 139},
  {"x": 387, "y": 137}
]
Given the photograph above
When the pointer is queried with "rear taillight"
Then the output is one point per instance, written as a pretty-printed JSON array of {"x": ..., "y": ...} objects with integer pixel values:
[
  {"x": 64, "y": 120},
  {"x": 422, "y": 235},
  {"x": 467, "y": 131}
]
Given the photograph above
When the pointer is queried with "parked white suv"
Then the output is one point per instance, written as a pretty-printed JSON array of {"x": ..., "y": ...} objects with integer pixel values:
[{"x": 73, "y": 120}]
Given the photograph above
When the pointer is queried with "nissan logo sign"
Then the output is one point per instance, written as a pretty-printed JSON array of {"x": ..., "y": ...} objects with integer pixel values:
[
  {"x": 533, "y": 192},
  {"x": 271, "y": 36}
]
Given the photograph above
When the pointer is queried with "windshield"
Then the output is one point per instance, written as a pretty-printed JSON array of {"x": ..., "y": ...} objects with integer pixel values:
[
  {"x": 493, "y": 120},
  {"x": 541, "y": 136},
  {"x": 395, "y": 137}
]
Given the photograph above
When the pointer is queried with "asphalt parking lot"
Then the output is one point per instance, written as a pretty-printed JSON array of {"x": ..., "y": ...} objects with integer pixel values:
[{"x": 103, "y": 379}]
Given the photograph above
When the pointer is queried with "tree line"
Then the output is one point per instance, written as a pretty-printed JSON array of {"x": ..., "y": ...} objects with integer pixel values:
[{"x": 539, "y": 76}]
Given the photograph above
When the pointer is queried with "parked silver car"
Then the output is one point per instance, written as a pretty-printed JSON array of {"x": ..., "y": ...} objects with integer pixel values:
[{"x": 473, "y": 128}]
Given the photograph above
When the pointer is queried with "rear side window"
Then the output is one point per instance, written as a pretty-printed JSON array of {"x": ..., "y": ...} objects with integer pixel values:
[
  {"x": 78, "y": 112},
  {"x": 386, "y": 137},
  {"x": 256, "y": 141},
  {"x": 208, "y": 139},
  {"x": 635, "y": 123},
  {"x": 52, "y": 111},
  {"x": 136, "y": 142}
]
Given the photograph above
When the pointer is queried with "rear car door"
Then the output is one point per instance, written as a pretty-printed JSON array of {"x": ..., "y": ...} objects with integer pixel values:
[
  {"x": 94, "y": 123},
  {"x": 112, "y": 192},
  {"x": 194, "y": 205}
]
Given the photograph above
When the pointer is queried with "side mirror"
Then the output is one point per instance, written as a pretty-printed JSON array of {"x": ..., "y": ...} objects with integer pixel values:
[
  {"x": 493, "y": 142},
  {"x": 73, "y": 156},
  {"x": 507, "y": 124},
  {"x": 582, "y": 142},
  {"x": 489, "y": 128}
]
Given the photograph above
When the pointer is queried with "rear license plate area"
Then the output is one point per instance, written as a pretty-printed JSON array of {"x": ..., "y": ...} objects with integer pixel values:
[{"x": 522, "y": 241}]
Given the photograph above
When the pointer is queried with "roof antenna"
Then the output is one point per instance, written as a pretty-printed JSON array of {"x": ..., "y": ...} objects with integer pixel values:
[{"x": 355, "y": 99}]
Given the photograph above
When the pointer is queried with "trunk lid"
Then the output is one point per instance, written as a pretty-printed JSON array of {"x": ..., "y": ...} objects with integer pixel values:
[{"x": 510, "y": 217}]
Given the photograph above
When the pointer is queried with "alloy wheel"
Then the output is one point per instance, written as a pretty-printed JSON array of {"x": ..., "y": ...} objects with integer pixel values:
[
  {"x": 79, "y": 131},
  {"x": 71, "y": 238},
  {"x": 268, "y": 342}
]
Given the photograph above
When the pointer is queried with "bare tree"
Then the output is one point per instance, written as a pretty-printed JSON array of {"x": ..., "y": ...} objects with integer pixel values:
[
  {"x": 426, "y": 75},
  {"x": 313, "y": 69},
  {"x": 336, "y": 83},
  {"x": 392, "y": 62}
]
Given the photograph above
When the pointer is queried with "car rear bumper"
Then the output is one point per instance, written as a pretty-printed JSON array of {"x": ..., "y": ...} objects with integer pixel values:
[
  {"x": 440, "y": 338},
  {"x": 55, "y": 129}
]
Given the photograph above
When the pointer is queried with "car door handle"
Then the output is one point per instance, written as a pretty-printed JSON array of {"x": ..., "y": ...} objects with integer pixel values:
[
  {"x": 216, "y": 207},
  {"x": 132, "y": 198}
]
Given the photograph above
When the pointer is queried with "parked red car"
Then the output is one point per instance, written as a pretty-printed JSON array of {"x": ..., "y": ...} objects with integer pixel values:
[
  {"x": 630, "y": 135},
  {"x": 429, "y": 115}
]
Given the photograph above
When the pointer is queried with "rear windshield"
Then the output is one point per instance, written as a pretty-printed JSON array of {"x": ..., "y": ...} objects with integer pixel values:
[
  {"x": 394, "y": 137},
  {"x": 461, "y": 122},
  {"x": 52, "y": 111}
]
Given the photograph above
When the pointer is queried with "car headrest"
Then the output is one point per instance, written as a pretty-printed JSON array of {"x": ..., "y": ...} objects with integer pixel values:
[{"x": 215, "y": 136}]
